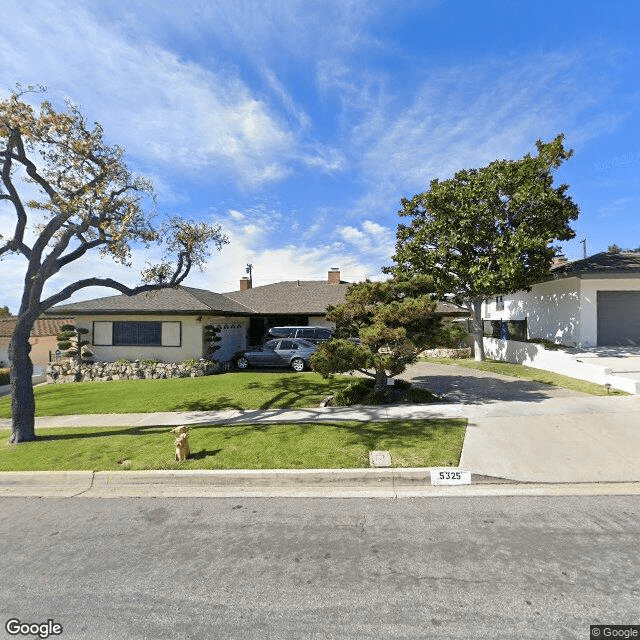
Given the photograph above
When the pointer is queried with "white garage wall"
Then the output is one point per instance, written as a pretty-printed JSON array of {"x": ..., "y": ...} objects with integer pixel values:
[
  {"x": 552, "y": 310},
  {"x": 233, "y": 333},
  {"x": 590, "y": 288}
]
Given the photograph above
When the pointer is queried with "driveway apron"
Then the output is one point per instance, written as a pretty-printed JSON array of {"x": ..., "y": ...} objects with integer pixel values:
[{"x": 534, "y": 432}]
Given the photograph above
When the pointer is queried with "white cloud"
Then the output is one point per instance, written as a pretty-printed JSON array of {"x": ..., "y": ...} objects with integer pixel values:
[
  {"x": 373, "y": 228},
  {"x": 372, "y": 239},
  {"x": 267, "y": 244},
  {"x": 327, "y": 159},
  {"x": 468, "y": 116},
  {"x": 161, "y": 108},
  {"x": 262, "y": 30},
  {"x": 354, "y": 236}
]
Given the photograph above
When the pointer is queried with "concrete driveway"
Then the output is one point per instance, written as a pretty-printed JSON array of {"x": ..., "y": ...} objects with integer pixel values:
[
  {"x": 533, "y": 432},
  {"x": 470, "y": 386}
]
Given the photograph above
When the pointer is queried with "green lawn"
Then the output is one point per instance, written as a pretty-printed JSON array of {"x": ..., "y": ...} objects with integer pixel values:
[
  {"x": 529, "y": 373},
  {"x": 241, "y": 390},
  {"x": 412, "y": 443}
]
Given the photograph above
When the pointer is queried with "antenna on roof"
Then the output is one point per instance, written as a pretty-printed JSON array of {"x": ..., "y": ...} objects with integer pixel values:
[
  {"x": 583, "y": 242},
  {"x": 248, "y": 270}
]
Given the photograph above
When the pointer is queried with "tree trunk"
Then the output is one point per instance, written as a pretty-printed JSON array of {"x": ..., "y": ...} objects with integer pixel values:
[
  {"x": 477, "y": 329},
  {"x": 381, "y": 381},
  {"x": 22, "y": 400}
]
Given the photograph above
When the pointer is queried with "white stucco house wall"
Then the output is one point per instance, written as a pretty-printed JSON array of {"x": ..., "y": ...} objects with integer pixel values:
[{"x": 586, "y": 303}]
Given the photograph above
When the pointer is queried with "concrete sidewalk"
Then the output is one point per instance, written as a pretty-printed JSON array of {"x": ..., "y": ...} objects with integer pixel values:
[{"x": 581, "y": 439}]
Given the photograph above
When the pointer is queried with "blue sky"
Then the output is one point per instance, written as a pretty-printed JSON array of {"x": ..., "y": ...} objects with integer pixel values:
[{"x": 299, "y": 125}]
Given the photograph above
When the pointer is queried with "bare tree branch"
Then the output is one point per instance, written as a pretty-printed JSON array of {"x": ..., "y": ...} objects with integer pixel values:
[{"x": 87, "y": 195}]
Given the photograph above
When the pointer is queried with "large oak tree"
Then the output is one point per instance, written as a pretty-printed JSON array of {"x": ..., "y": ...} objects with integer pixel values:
[
  {"x": 72, "y": 194},
  {"x": 488, "y": 231}
]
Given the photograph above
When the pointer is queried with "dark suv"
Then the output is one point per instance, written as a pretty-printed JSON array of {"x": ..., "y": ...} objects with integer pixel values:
[{"x": 316, "y": 335}]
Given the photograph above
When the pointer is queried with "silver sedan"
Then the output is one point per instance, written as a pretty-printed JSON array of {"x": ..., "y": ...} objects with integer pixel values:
[{"x": 281, "y": 352}]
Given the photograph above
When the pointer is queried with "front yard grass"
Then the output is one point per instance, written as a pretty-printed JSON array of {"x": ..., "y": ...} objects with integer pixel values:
[
  {"x": 345, "y": 445},
  {"x": 529, "y": 373},
  {"x": 242, "y": 390}
]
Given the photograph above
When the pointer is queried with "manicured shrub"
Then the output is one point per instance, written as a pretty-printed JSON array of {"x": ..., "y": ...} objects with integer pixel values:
[
  {"x": 354, "y": 392},
  {"x": 361, "y": 391},
  {"x": 4, "y": 377}
]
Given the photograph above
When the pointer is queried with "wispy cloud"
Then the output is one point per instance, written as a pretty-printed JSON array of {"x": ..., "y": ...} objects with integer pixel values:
[
  {"x": 468, "y": 116},
  {"x": 370, "y": 238},
  {"x": 163, "y": 109}
]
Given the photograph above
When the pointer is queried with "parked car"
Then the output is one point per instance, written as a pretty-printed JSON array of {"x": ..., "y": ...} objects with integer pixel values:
[
  {"x": 316, "y": 335},
  {"x": 280, "y": 352}
]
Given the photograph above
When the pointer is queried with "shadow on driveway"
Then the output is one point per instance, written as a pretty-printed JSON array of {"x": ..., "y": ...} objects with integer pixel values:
[{"x": 470, "y": 386}]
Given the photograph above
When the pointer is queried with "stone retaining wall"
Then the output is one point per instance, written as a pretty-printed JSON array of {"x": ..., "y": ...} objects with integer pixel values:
[
  {"x": 72, "y": 372},
  {"x": 447, "y": 353}
]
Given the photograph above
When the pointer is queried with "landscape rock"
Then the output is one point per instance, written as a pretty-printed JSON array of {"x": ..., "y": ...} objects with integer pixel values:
[{"x": 68, "y": 371}]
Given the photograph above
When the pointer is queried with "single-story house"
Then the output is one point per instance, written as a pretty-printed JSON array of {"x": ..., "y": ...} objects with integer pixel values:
[
  {"x": 43, "y": 339},
  {"x": 168, "y": 324},
  {"x": 586, "y": 303}
]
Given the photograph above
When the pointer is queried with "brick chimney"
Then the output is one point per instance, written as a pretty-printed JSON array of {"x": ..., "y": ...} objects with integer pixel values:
[
  {"x": 245, "y": 283},
  {"x": 334, "y": 275}
]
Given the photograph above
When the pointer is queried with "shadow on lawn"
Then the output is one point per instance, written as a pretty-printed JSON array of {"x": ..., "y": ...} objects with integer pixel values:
[
  {"x": 220, "y": 403},
  {"x": 394, "y": 433},
  {"x": 288, "y": 390},
  {"x": 117, "y": 431},
  {"x": 202, "y": 454}
]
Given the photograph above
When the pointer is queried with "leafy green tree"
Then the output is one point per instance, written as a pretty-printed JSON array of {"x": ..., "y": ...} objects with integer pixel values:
[
  {"x": 394, "y": 321},
  {"x": 81, "y": 197},
  {"x": 4, "y": 312},
  {"x": 488, "y": 231}
]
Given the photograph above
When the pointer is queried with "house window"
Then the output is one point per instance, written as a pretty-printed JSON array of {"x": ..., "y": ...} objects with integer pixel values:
[
  {"x": 499, "y": 303},
  {"x": 137, "y": 333}
]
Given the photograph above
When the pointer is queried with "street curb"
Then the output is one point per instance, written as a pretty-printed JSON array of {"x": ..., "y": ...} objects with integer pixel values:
[
  {"x": 63, "y": 484},
  {"x": 342, "y": 483}
]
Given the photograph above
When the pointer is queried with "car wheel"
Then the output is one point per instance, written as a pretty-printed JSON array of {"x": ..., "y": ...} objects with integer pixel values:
[
  {"x": 242, "y": 363},
  {"x": 297, "y": 364}
]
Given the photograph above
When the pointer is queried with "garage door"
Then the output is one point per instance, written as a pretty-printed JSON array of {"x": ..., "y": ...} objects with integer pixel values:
[{"x": 618, "y": 318}]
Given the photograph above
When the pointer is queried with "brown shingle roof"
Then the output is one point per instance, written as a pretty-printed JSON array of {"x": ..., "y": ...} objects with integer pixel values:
[
  {"x": 295, "y": 297},
  {"x": 45, "y": 326},
  {"x": 451, "y": 309},
  {"x": 179, "y": 300},
  {"x": 304, "y": 297},
  {"x": 308, "y": 297},
  {"x": 605, "y": 262}
]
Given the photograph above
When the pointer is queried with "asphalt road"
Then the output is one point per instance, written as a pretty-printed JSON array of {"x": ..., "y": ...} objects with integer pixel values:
[{"x": 459, "y": 568}]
